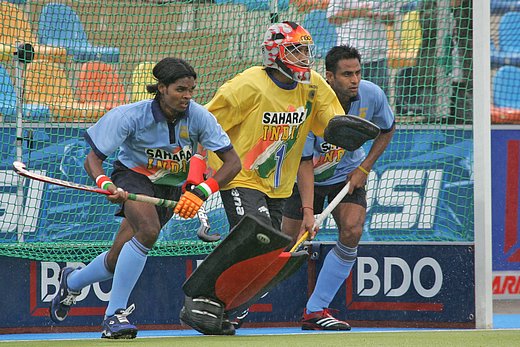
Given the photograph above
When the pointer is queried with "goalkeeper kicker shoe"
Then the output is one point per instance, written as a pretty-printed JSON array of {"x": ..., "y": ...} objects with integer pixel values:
[
  {"x": 117, "y": 326},
  {"x": 239, "y": 320},
  {"x": 64, "y": 299},
  {"x": 322, "y": 320}
]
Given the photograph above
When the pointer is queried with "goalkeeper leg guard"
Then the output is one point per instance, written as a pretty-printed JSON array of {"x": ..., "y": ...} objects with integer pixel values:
[
  {"x": 229, "y": 273},
  {"x": 282, "y": 268},
  {"x": 206, "y": 316},
  {"x": 245, "y": 266}
]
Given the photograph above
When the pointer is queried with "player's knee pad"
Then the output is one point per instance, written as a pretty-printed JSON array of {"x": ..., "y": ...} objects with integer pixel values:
[{"x": 206, "y": 316}]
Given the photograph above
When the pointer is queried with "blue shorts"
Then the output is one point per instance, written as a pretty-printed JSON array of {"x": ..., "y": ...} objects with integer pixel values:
[
  {"x": 134, "y": 182},
  {"x": 293, "y": 205}
]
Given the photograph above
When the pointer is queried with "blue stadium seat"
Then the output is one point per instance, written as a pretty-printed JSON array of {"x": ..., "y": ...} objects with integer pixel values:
[
  {"x": 508, "y": 29},
  {"x": 60, "y": 26},
  {"x": 323, "y": 33},
  {"x": 30, "y": 112},
  {"x": 409, "y": 6},
  {"x": 508, "y": 50},
  {"x": 17, "y": 2},
  {"x": 505, "y": 87},
  {"x": 260, "y": 5},
  {"x": 502, "y": 6}
]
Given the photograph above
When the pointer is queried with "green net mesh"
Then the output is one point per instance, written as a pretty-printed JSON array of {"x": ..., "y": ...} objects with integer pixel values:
[{"x": 92, "y": 55}]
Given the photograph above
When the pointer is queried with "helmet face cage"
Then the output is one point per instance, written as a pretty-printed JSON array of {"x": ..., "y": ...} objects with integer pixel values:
[{"x": 289, "y": 48}]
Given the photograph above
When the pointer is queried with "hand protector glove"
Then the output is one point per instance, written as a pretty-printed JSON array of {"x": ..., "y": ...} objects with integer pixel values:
[
  {"x": 350, "y": 132},
  {"x": 191, "y": 201}
]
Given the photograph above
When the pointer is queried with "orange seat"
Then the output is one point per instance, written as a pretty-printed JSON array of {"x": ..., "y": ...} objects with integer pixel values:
[
  {"x": 99, "y": 83},
  {"x": 305, "y": 6},
  {"x": 504, "y": 115},
  {"x": 46, "y": 83}
]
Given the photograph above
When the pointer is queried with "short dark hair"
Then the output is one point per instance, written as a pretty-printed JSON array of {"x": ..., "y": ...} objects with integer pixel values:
[
  {"x": 169, "y": 70},
  {"x": 337, "y": 53}
]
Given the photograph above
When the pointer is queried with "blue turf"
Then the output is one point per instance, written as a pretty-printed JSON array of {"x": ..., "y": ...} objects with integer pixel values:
[{"x": 500, "y": 321}]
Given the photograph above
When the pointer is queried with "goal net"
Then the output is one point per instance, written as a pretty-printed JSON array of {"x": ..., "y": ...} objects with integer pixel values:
[{"x": 92, "y": 55}]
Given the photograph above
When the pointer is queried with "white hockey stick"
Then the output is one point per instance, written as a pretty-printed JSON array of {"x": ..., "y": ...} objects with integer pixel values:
[{"x": 326, "y": 212}]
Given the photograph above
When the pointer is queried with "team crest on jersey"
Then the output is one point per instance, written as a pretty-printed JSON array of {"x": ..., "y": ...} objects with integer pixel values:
[
  {"x": 363, "y": 112},
  {"x": 183, "y": 132}
]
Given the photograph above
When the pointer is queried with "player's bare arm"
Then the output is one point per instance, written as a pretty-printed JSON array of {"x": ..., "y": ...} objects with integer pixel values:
[
  {"x": 306, "y": 187},
  {"x": 94, "y": 168},
  {"x": 230, "y": 168}
]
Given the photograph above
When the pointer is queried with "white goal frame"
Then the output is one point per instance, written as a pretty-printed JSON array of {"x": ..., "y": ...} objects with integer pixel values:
[{"x": 482, "y": 163}]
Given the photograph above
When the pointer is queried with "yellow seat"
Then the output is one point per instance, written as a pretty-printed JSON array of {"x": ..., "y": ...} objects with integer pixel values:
[
  {"x": 46, "y": 83},
  {"x": 141, "y": 77},
  {"x": 14, "y": 25},
  {"x": 15, "y": 28},
  {"x": 403, "y": 51}
]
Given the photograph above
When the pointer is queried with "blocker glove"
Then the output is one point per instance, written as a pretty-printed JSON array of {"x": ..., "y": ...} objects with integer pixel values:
[{"x": 191, "y": 201}]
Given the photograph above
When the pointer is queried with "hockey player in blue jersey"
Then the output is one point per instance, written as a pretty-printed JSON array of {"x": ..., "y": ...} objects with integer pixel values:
[
  {"x": 333, "y": 168},
  {"x": 156, "y": 139}
]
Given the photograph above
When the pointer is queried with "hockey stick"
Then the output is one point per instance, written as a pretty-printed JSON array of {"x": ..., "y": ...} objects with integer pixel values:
[
  {"x": 323, "y": 215},
  {"x": 196, "y": 176},
  {"x": 286, "y": 263},
  {"x": 202, "y": 232},
  {"x": 204, "y": 227},
  {"x": 21, "y": 169}
]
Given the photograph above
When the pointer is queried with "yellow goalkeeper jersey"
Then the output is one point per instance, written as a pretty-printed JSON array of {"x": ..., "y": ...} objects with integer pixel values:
[{"x": 268, "y": 124}]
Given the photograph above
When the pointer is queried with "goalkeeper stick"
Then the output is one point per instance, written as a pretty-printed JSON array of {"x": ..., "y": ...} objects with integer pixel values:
[{"x": 323, "y": 215}]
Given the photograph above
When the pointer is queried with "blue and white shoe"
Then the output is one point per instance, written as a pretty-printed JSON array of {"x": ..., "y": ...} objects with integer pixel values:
[
  {"x": 64, "y": 299},
  {"x": 117, "y": 326}
]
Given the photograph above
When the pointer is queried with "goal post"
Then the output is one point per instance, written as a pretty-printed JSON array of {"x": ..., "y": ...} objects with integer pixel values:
[{"x": 482, "y": 167}]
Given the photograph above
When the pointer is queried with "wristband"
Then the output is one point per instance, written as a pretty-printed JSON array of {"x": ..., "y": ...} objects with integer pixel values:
[
  {"x": 209, "y": 186},
  {"x": 103, "y": 181},
  {"x": 304, "y": 207},
  {"x": 363, "y": 170}
]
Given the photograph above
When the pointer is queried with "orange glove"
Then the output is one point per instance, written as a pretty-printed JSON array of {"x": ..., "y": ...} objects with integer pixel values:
[
  {"x": 191, "y": 201},
  {"x": 189, "y": 204}
]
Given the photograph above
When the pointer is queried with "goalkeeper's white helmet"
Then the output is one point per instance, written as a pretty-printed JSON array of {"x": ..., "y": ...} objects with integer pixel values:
[{"x": 289, "y": 48}]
